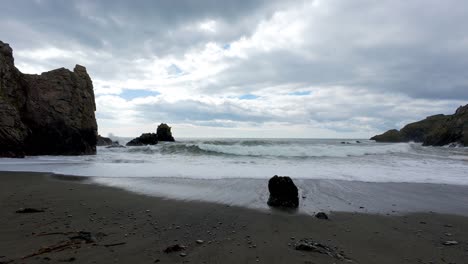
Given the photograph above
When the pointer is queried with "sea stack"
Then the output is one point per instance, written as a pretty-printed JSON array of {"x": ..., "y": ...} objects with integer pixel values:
[
  {"x": 144, "y": 140},
  {"x": 437, "y": 130},
  {"x": 164, "y": 133},
  {"x": 47, "y": 114}
]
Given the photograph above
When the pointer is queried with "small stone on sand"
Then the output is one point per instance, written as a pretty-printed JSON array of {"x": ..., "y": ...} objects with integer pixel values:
[{"x": 450, "y": 243}]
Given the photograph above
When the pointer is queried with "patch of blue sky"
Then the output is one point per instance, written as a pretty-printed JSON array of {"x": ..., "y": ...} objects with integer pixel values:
[
  {"x": 248, "y": 97},
  {"x": 226, "y": 46},
  {"x": 174, "y": 70},
  {"x": 129, "y": 94},
  {"x": 300, "y": 93}
]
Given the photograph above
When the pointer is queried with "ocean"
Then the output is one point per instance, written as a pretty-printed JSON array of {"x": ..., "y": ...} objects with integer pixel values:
[{"x": 236, "y": 171}]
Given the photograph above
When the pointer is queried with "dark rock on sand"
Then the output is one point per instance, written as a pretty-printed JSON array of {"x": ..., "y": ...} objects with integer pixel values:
[
  {"x": 283, "y": 192},
  {"x": 437, "y": 130},
  {"x": 322, "y": 216},
  {"x": 144, "y": 139},
  {"x": 47, "y": 114},
  {"x": 103, "y": 141},
  {"x": 174, "y": 248},
  {"x": 164, "y": 133}
]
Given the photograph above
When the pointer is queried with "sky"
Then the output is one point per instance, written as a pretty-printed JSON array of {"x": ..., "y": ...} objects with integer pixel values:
[{"x": 209, "y": 68}]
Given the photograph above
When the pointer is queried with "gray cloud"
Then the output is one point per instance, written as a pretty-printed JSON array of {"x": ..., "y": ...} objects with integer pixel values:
[{"x": 368, "y": 57}]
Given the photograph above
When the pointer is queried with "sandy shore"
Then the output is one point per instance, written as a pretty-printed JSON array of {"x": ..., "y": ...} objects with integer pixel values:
[{"x": 130, "y": 228}]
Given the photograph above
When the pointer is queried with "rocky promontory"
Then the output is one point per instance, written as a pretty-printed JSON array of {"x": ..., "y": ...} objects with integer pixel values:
[
  {"x": 47, "y": 114},
  {"x": 437, "y": 130}
]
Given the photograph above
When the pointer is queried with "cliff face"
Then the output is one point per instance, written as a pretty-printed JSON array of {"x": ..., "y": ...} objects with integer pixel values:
[
  {"x": 435, "y": 130},
  {"x": 47, "y": 114}
]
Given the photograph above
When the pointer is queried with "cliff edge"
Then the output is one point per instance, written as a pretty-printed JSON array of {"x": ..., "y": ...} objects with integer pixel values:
[{"x": 47, "y": 114}]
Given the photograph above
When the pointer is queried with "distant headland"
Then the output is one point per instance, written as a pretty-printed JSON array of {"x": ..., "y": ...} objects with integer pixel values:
[{"x": 437, "y": 130}]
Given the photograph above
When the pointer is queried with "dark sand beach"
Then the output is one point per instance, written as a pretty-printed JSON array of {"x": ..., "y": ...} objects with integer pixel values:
[{"x": 132, "y": 228}]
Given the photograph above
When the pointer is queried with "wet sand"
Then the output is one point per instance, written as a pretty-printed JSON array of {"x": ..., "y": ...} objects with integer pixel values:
[
  {"x": 126, "y": 227},
  {"x": 392, "y": 198}
]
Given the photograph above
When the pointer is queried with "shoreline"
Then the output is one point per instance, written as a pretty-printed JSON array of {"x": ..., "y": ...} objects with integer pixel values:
[
  {"x": 134, "y": 227},
  {"x": 316, "y": 195}
]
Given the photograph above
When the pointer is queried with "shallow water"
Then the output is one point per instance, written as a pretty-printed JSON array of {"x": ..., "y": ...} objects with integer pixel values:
[
  {"x": 262, "y": 158},
  {"x": 235, "y": 171}
]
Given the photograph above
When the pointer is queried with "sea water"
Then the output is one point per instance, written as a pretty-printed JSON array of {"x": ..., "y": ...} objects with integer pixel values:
[{"x": 236, "y": 171}]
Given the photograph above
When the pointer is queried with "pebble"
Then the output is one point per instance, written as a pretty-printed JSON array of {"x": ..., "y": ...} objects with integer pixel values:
[
  {"x": 450, "y": 243},
  {"x": 183, "y": 254},
  {"x": 199, "y": 241},
  {"x": 321, "y": 215}
]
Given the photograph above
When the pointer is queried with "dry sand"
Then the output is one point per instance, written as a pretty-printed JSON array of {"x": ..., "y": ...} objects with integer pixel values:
[{"x": 131, "y": 228}]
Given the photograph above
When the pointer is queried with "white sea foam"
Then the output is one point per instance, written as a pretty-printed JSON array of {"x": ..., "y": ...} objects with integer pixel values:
[
  {"x": 305, "y": 150},
  {"x": 260, "y": 159}
]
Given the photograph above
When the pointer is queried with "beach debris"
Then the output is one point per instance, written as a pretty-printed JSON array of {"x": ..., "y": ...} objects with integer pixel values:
[
  {"x": 29, "y": 211},
  {"x": 88, "y": 237},
  {"x": 450, "y": 243},
  {"x": 75, "y": 239},
  {"x": 174, "y": 248},
  {"x": 6, "y": 261},
  {"x": 183, "y": 254},
  {"x": 115, "y": 244},
  {"x": 322, "y": 215},
  {"x": 71, "y": 259},
  {"x": 283, "y": 192},
  {"x": 309, "y": 245},
  {"x": 54, "y": 248},
  {"x": 199, "y": 241}
]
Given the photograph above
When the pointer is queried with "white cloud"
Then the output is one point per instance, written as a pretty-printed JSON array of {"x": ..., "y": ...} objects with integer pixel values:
[
  {"x": 364, "y": 66},
  {"x": 208, "y": 26}
]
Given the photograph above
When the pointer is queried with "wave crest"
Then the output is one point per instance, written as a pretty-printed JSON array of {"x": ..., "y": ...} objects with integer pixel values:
[{"x": 270, "y": 149}]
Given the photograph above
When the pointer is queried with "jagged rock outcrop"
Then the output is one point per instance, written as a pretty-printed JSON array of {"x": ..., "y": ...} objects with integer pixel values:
[
  {"x": 103, "y": 141},
  {"x": 283, "y": 192},
  {"x": 164, "y": 133},
  {"x": 143, "y": 140},
  {"x": 47, "y": 114},
  {"x": 107, "y": 142},
  {"x": 437, "y": 130}
]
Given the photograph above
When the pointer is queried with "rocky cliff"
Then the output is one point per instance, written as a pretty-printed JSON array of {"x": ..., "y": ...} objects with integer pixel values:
[
  {"x": 435, "y": 130},
  {"x": 47, "y": 114}
]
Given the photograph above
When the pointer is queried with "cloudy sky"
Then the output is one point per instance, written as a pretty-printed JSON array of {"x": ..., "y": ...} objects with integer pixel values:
[{"x": 268, "y": 68}]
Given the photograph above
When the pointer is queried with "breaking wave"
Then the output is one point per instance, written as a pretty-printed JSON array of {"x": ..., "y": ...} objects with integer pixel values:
[{"x": 264, "y": 148}]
